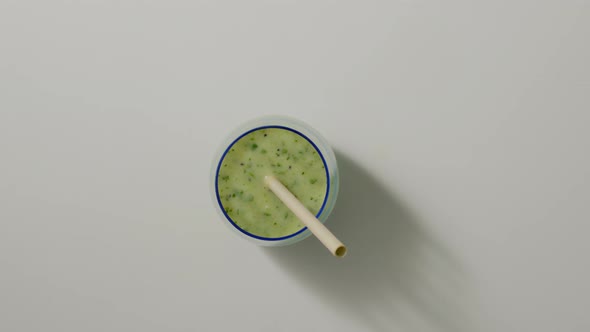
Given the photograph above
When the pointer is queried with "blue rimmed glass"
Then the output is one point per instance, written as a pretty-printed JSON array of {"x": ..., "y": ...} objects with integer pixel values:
[{"x": 305, "y": 131}]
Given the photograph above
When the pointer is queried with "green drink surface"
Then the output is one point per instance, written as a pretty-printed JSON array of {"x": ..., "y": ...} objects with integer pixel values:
[{"x": 288, "y": 156}]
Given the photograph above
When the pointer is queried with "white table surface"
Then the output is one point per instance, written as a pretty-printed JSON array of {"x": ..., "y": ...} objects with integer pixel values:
[{"x": 462, "y": 131}]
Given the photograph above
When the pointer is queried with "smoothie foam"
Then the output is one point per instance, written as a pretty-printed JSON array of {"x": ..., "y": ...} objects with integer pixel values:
[{"x": 277, "y": 151}]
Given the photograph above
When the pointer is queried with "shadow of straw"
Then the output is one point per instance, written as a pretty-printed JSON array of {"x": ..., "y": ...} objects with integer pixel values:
[{"x": 395, "y": 273}]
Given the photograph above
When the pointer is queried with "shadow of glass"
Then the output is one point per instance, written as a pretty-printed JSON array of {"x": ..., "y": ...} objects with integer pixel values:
[{"x": 395, "y": 273}]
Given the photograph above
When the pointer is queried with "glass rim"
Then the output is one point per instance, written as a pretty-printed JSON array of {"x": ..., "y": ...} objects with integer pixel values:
[{"x": 300, "y": 128}]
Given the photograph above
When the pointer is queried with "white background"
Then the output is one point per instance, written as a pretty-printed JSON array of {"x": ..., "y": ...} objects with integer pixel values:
[{"x": 461, "y": 129}]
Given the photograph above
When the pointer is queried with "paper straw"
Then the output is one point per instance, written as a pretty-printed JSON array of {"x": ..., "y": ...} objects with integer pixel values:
[{"x": 307, "y": 218}]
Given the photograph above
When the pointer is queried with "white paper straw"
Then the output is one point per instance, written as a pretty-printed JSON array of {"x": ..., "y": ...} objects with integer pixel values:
[{"x": 307, "y": 218}]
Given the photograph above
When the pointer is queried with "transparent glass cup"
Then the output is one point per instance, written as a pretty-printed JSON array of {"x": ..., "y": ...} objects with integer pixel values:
[{"x": 317, "y": 141}]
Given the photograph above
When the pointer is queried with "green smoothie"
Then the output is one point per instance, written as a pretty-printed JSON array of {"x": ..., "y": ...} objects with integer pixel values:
[{"x": 288, "y": 156}]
